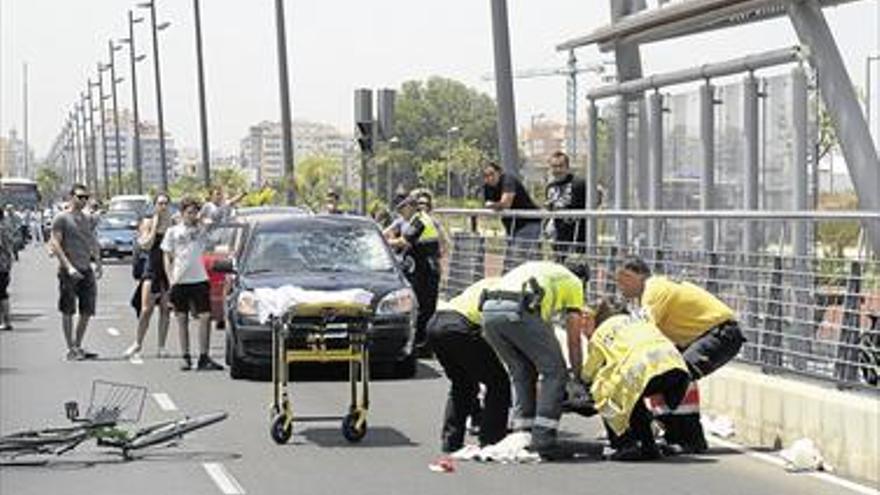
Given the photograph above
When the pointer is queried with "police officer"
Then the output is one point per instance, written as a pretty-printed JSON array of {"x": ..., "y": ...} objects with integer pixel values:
[
  {"x": 517, "y": 320},
  {"x": 454, "y": 334},
  {"x": 628, "y": 359},
  {"x": 420, "y": 241}
]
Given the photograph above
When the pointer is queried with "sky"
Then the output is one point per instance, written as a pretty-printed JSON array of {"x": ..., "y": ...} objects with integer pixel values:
[{"x": 334, "y": 47}]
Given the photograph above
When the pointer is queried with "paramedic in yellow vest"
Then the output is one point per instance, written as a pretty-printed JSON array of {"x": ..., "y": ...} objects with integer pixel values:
[
  {"x": 628, "y": 359},
  {"x": 698, "y": 323},
  {"x": 422, "y": 243},
  {"x": 517, "y": 322},
  {"x": 455, "y": 335}
]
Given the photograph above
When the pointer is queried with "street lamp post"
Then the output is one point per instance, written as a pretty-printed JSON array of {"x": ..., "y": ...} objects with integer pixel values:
[
  {"x": 284, "y": 89},
  {"x": 101, "y": 98},
  {"x": 77, "y": 112},
  {"x": 135, "y": 58},
  {"x": 156, "y": 28},
  {"x": 449, "y": 132},
  {"x": 114, "y": 82},
  {"x": 389, "y": 169},
  {"x": 92, "y": 170},
  {"x": 203, "y": 112}
]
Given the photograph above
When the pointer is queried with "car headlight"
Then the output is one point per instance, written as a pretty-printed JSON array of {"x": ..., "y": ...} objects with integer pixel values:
[
  {"x": 105, "y": 242},
  {"x": 397, "y": 302},
  {"x": 247, "y": 304}
]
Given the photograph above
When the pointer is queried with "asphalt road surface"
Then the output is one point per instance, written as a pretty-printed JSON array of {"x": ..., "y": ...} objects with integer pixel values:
[{"x": 238, "y": 456}]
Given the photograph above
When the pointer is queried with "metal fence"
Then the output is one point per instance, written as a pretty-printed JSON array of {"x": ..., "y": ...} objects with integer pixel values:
[{"x": 815, "y": 315}]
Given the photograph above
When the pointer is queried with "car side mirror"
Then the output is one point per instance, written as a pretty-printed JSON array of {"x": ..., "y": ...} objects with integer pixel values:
[{"x": 224, "y": 266}]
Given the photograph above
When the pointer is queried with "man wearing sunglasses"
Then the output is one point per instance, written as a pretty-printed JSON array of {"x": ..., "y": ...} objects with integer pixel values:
[{"x": 79, "y": 265}]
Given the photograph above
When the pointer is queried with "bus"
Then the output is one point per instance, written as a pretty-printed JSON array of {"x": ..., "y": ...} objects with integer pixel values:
[{"x": 21, "y": 193}]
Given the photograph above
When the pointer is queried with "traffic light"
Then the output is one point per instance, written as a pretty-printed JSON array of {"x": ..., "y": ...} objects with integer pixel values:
[{"x": 363, "y": 119}]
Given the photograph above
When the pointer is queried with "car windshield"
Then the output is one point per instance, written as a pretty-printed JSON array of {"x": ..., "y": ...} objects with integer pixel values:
[
  {"x": 333, "y": 249},
  {"x": 128, "y": 204},
  {"x": 116, "y": 222}
]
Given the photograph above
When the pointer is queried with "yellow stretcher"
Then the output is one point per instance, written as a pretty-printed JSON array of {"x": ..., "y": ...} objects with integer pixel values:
[{"x": 322, "y": 333}]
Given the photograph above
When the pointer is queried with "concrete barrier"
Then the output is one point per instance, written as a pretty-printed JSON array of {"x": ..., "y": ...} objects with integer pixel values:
[{"x": 775, "y": 410}]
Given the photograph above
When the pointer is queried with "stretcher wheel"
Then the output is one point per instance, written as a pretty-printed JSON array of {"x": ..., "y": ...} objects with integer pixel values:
[
  {"x": 281, "y": 430},
  {"x": 350, "y": 430}
]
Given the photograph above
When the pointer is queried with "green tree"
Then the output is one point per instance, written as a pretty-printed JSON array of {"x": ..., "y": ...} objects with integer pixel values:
[
  {"x": 232, "y": 180},
  {"x": 315, "y": 175},
  {"x": 49, "y": 183},
  {"x": 427, "y": 115}
]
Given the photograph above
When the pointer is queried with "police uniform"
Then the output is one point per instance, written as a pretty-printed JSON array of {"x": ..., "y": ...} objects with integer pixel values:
[
  {"x": 468, "y": 360},
  {"x": 628, "y": 360},
  {"x": 424, "y": 241},
  {"x": 517, "y": 323}
]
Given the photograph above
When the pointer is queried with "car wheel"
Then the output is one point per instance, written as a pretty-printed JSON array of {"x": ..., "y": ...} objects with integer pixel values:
[
  {"x": 228, "y": 348},
  {"x": 238, "y": 369}
]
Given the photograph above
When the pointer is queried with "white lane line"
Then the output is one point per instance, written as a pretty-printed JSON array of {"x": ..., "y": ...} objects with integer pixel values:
[
  {"x": 778, "y": 461},
  {"x": 164, "y": 401},
  {"x": 223, "y": 479},
  {"x": 114, "y": 331}
]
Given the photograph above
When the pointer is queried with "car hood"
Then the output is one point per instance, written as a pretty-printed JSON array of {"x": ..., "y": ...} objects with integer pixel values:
[
  {"x": 116, "y": 233},
  {"x": 379, "y": 283}
]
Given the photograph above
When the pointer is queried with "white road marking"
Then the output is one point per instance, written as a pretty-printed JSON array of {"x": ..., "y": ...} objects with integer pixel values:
[
  {"x": 778, "y": 461},
  {"x": 113, "y": 331},
  {"x": 164, "y": 401},
  {"x": 223, "y": 479}
]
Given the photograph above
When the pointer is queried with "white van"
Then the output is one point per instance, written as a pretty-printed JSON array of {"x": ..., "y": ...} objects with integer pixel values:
[{"x": 139, "y": 203}]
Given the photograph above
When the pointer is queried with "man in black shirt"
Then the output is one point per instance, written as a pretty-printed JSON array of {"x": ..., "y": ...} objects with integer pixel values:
[
  {"x": 504, "y": 192},
  {"x": 566, "y": 192}
]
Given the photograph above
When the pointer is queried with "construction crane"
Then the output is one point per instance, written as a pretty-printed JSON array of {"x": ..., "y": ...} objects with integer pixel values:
[{"x": 570, "y": 71}]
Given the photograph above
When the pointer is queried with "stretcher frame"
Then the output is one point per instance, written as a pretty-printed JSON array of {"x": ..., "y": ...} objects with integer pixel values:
[{"x": 311, "y": 327}]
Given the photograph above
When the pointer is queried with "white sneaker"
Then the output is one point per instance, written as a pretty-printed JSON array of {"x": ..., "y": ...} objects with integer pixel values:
[
  {"x": 136, "y": 358},
  {"x": 133, "y": 349}
]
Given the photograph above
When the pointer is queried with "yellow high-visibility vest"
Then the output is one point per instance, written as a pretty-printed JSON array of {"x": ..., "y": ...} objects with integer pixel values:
[{"x": 623, "y": 355}]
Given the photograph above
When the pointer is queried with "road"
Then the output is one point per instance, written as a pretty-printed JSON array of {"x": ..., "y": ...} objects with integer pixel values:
[{"x": 237, "y": 456}]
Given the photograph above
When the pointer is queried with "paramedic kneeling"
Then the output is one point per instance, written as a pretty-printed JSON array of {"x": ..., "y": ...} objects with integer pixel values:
[
  {"x": 628, "y": 359},
  {"x": 517, "y": 323}
]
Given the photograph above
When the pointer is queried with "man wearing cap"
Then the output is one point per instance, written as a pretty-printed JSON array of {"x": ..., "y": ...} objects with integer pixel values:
[
  {"x": 420, "y": 240},
  {"x": 517, "y": 322},
  {"x": 467, "y": 359}
]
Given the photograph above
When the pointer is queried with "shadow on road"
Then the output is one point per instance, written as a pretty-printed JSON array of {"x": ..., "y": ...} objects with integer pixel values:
[{"x": 377, "y": 436}]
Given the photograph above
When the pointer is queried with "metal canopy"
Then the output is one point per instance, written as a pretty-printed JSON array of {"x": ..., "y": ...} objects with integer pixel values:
[{"x": 684, "y": 18}]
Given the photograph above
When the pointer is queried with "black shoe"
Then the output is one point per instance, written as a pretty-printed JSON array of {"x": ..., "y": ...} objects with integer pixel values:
[
  {"x": 208, "y": 364},
  {"x": 187, "y": 363},
  {"x": 636, "y": 453},
  {"x": 84, "y": 354}
]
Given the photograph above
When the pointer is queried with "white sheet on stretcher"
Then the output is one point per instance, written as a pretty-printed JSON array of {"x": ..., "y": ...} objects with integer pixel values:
[{"x": 276, "y": 302}]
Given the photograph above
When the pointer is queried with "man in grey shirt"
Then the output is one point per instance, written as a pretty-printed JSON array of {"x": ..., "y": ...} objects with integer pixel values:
[{"x": 79, "y": 265}]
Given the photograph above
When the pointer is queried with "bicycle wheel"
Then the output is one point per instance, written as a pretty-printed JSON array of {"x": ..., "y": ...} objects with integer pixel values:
[
  {"x": 45, "y": 440},
  {"x": 160, "y": 433}
]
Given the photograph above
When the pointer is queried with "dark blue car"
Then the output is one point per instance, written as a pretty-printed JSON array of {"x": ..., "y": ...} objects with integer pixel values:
[{"x": 116, "y": 233}]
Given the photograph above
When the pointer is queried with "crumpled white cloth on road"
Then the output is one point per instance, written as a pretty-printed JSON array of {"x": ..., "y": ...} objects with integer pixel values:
[
  {"x": 511, "y": 449},
  {"x": 720, "y": 426},
  {"x": 276, "y": 302},
  {"x": 802, "y": 456}
]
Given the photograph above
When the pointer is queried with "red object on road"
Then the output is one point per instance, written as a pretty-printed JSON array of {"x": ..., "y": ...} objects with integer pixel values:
[{"x": 444, "y": 464}]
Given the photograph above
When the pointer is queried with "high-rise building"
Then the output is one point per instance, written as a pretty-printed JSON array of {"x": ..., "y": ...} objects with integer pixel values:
[
  {"x": 261, "y": 151},
  {"x": 12, "y": 156}
]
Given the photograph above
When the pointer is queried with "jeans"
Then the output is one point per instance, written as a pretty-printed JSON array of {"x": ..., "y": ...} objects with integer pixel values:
[
  {"x": 468, "y": 360},
  {"x": 528, "y": 347}
]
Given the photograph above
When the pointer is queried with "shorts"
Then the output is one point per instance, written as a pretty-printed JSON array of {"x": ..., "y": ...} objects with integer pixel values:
[
  {"x": 72, "y": 291},
  {"x": 4, "y": 286},
  {"x": 191, "y": 298}
]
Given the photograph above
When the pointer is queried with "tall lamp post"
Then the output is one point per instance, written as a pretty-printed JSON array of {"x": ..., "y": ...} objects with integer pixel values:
[
  {"x": 134, "y": 59},
  {"x": 101, "y": 98},
  {"x": 449, "y": 133},
  {"x": 77, "y": 173},
  {"x": 92, "y": 169},
  {"x": 113, "y": 82},
  {"x": 203, "y": 111},
  {"x": 284, "y": 88},
  {"x": 156, "y": 28}
]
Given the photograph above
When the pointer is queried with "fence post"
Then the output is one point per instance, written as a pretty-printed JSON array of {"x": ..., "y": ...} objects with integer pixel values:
[
  {"x": 846, "y": 368},
  {"x": 712, "y": 273},
  {"x": 771, "y": 340},
  {"x": 611, "y": 264}
]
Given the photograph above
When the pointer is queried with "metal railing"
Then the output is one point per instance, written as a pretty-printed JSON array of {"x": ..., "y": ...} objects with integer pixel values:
[{"x": 814, "y": 315}]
